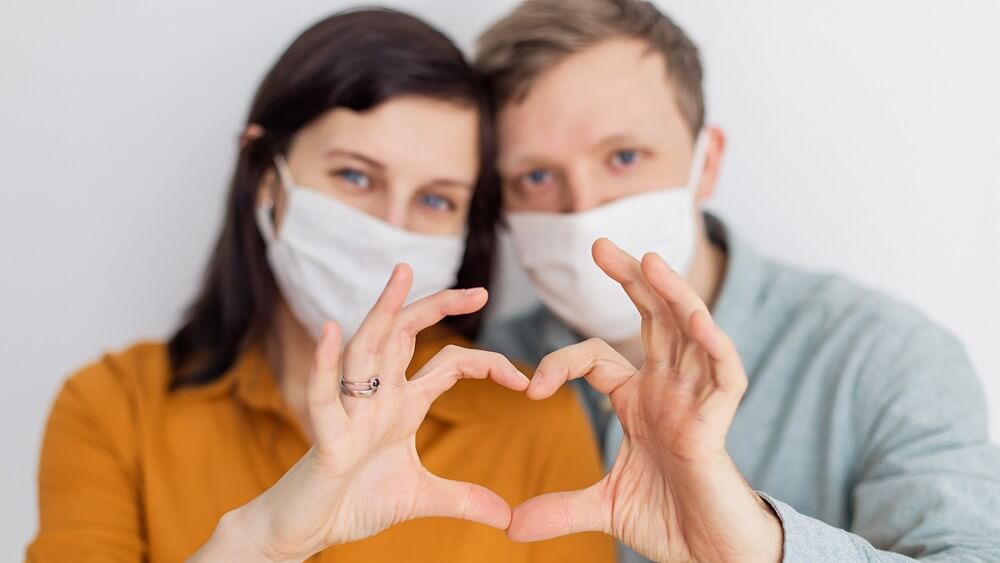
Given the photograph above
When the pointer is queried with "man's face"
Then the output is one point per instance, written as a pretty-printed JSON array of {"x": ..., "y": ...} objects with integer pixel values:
[{"x": 602, "y": 124}]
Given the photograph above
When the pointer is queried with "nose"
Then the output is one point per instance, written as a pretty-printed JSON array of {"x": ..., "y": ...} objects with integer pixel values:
[
  {"x": 397, "y": 214},
  {"x": 582, "y": 192},
  {"x": 388, "y": 208}
]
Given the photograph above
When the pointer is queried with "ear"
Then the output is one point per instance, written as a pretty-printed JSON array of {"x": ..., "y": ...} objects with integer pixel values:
[
  {"x": 269, "y": 193},
  {"x": 267, "y": 189},
  {"x": 713, "y": 163}
]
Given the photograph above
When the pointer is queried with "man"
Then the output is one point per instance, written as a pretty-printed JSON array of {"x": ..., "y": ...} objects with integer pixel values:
[{"x": 860, "y": 428}]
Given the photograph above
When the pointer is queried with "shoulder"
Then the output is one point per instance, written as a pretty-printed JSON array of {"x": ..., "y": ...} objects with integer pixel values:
[
  {"x": 837, "y": 306},
  {"x": 885, "y": 347},
  {"x": 139, "y": 373},
  {"x": 100, "y": 407}
]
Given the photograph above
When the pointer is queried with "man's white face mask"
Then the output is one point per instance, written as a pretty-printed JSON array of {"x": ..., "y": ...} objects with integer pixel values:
[
  {"x": 331, "y": 261},
  {"x": 555, "y": 250}
]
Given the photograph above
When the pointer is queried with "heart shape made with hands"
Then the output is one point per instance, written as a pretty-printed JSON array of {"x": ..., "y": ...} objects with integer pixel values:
[{"x": 672, "y": 484}]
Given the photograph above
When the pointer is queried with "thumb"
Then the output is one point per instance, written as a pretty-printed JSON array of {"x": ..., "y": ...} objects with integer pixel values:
[
  {"x": 559, "y": 514},
  {"x": 438, "y": 497}
]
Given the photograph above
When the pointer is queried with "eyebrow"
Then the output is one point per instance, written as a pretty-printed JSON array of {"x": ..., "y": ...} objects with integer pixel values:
[
  {"x": 448, "y": 183},
  {"x": 356, "y": 155},
  {"x": 534, "y": 161},
  {"x": 524, "y": 161},
  {"x": 618, "y": 139}
]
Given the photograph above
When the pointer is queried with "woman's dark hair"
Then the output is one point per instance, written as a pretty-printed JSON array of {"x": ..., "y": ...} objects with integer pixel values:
[{"x": 356, "y": 60}]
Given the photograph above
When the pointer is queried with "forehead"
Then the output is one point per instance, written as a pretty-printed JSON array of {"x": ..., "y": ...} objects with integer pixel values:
[
  {"x": 397, "y": 134},
  {"x": 616, "y": 87}
]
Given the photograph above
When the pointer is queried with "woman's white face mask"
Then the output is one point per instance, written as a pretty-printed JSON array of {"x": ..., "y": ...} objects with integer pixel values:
[
  {"x": 331, "y": 261},
  {"x": 555, "y": 250}
]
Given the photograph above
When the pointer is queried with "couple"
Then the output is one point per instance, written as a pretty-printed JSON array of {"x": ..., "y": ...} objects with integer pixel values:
[{"x": 305, "y": 408}]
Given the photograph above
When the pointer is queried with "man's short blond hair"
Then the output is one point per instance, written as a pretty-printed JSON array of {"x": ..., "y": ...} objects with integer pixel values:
[{"x": 540, "y": 33}]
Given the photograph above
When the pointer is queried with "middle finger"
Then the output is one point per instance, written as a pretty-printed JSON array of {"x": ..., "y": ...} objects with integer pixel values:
[
  {"x": 658, "y": 324},
  {"x": 361, "y": 356}
]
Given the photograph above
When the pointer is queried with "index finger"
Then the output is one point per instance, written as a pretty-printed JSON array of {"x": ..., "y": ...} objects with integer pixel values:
[
  {"x": 428, "y": 311},
  {"x": 594, "y": 360},
  {"x": 453, "y": 363},
  {"x": 424, "y": 313}
]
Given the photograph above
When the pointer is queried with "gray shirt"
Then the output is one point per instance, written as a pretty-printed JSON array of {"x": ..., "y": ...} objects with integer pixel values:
[{"x": 863, "y": 425}]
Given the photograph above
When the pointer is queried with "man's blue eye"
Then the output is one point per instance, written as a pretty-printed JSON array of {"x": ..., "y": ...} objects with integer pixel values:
[
  {"x": 538, "y": 176},
  {"x": 437, "y": 202},
  {"x": 356, "y": 177},
  {"x": 626, "y": 157}
]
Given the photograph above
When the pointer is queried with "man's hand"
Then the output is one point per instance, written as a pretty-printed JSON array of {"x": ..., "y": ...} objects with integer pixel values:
[{"x": 673, "y": 493}]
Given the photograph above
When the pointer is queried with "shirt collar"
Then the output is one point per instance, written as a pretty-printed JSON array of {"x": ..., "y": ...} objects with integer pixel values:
[
  {"x": 248, "y": 380},
  {"x": 743, "y": 282}
]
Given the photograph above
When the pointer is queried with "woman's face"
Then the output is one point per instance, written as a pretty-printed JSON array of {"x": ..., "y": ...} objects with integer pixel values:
[{"x": 412, "y": 162}]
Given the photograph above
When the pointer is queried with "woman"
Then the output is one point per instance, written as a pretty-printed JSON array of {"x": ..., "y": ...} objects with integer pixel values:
[{"x": 253, "y": 434}]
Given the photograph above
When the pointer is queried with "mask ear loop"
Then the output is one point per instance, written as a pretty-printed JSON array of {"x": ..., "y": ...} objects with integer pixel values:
[
  {"x": 698, "y": 161},
  {"x": 284, "y": 174},
  {"x": 265, "y": 211}
]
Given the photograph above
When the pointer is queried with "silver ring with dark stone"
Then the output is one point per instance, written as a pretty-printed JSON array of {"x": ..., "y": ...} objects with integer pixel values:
[{"x": 360, "y": 388}]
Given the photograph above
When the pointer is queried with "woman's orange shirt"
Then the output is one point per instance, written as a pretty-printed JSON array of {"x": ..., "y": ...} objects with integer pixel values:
[{"x": 131, "y": 471}]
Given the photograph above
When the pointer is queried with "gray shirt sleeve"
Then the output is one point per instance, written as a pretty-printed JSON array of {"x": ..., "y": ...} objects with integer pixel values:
[{"x": 928, "y": 487}]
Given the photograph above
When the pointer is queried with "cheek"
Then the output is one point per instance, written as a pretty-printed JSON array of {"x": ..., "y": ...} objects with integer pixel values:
[
  {"x": 647, "y": 175},
  {"x": 545, "y": 199},
  {"x": 512, "y": 199},
  {"x": 434, "y": 224}
]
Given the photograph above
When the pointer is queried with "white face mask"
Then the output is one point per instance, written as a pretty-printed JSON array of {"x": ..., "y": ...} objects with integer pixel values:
[
  {"x": 331, "y": 261},
  {"x": 555, "y": 250}
]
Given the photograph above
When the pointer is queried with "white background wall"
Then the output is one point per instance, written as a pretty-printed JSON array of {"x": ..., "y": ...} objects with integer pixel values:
[{"x": 864, "y": 139}]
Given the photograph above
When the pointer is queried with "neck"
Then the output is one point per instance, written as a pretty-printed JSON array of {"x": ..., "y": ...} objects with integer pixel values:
[
  {"x": 706, "y": 275},
  {"x": 289, "y": 350}
]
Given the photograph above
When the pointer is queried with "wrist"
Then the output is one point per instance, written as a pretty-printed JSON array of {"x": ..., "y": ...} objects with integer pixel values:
[
  {"x": 723, "y": 491},
  {"x": 241, "y": 535},
  {"x": 773, "y": 536}
]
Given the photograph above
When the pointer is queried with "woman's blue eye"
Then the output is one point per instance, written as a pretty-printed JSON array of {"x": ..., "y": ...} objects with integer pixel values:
[
  {"x": 437, "y": 202},
  {"x": 537, "y": 177},
  {"x": 356, "y": 177},
  {"x": 625, "y": 158}
]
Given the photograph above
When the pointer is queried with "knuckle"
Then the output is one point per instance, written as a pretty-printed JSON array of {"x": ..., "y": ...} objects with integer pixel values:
[
  {"x": 740, "y": 384},
  {"x": 594, "y": 345},
  {"x": 548, "y": 359}
]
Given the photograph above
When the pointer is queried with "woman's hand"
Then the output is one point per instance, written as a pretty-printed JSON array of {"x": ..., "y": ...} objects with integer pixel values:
[
  {"x": 673, "y": 493},
  {"x": 363, "y": 474}
]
